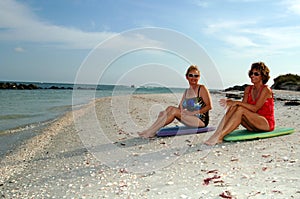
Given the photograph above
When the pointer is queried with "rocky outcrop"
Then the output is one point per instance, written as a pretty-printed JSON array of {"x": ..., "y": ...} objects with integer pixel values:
[
  {"x": 61, "y": 88},
  {"x": 234, "y": 95},
  {"x": 287, "y": 82},
  {"x": 237, "y": 88},
  {"x": 16, "y": 86},
  {"x": 21, "y": 86},
  {"x": 235, "y": 92}
]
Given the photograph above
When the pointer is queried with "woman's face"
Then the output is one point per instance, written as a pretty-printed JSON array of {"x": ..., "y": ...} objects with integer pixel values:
[
  {"x": 193, "y": 77},
  {"x": 255, "y": 76}
]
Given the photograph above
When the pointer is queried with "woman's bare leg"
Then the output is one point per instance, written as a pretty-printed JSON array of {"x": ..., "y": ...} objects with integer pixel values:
[
  {"x": 230, "y": 121},
  {"x": 227, "y": 116},
  {"x": 240, "y": 115},
  {"x": 215, "y": 137},
  {"x": 254, "y": 122},
  {"x": 163, "y": 119},
  {"x": 247, "y": 125}
]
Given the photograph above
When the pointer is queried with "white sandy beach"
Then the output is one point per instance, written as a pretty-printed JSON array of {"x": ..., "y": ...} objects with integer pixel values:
[{"x": 94, "y": 152}]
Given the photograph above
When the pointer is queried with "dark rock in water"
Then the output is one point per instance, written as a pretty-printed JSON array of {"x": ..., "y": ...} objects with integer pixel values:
[
  {"x": 33, "y": 86},
  {"x": 237, "y": 91},
  {"x": 7, "y": 85},
  {"x": 30, "y": 86},
  {"x": 16, "y": 86},
  {"x": 292, "y": 103},
  {"x": 237, "y": 88},
  {"x": 234, "y": 95},
  {"x": 27, "y": 87},
  {"x": 54, "y": 87},
  {"x": 60, "y": 88}
]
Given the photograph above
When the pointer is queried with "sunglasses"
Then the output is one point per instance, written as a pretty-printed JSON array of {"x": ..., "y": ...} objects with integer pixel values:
[
  {"x": 254, "y": 73},
  {"x": 193, "y": 75}
]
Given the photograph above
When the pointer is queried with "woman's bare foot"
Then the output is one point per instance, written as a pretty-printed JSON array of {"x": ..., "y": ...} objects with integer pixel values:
[
  {"x": 211, "y": 143},
  {"x": 147, "y": 134},
  {"x": 213, "y": 140}
]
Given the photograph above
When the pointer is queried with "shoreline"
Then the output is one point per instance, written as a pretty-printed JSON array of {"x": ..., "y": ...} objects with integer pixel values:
[{"x": 56, "y": 163}]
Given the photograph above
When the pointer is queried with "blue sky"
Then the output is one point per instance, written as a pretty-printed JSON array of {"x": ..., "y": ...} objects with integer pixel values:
[{"x": 55, "y": 41}]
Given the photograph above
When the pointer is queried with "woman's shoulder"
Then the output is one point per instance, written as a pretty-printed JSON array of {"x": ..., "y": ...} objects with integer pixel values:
[
  {"x": 202, "y": 86},
  {"x": 267, "y": 89},
  {"x": 247, "y": 88}
]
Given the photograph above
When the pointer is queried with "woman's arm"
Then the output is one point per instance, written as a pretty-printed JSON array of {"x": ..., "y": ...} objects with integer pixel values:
[
  {"x": 181, "y": 101},
  {"x": 204, "y": 93},
  {"x": 246, "y": 94},
  {"x": 225, "y": 102}
]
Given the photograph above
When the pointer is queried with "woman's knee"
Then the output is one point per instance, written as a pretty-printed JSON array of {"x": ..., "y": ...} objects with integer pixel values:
[
  {"x": 233, "y": 108},
  {"x": 173, "y": 110},
  {"x": 240, "y": 110},
  {"x": 170, "y": 108},
  {"x": 162, "y": 113}
]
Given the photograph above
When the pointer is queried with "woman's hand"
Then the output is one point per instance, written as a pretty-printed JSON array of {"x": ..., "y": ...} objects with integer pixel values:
[
  {"x": 224, "y": 102},
  {"x": 227, "y": 102}
]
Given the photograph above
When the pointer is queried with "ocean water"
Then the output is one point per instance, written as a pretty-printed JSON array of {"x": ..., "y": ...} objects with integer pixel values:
[
  {"x": 25, "y": 109},
  {"x": 20, "y": 108}
]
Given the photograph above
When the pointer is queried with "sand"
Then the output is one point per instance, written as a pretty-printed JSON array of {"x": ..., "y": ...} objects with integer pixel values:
[{"x": 95, "y": 152}]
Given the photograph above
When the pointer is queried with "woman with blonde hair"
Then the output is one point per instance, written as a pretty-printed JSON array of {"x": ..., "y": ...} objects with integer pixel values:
[{"x": 193, "y": 109}]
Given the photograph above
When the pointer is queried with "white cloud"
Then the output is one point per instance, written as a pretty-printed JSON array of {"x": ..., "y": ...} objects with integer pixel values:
[
  {"x": 226, "y": 26},
  {"x": 201, "y": 3},
  {"x": 238, "y": 35},
  {"x": 277, "y": 38},
  {"x": 19, "y": 49},
  {"x": 18, "y": 23},
  {"x": 293, "y": 6},
  {"x": 240, "y": 41}
]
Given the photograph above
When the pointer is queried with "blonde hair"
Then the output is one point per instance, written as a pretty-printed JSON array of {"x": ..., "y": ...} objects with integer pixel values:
[{"x": 192, "y": 67}]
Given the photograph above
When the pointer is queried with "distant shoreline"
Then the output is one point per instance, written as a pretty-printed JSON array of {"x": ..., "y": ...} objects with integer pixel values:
[
  {"x": 70, "y": 86},
  {"x": 11, "y": 85}
]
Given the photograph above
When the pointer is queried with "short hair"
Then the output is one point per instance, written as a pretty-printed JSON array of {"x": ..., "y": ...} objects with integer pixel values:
[
  {"x": 263, "y": 69},
  {"x": 192, "y": 67}
]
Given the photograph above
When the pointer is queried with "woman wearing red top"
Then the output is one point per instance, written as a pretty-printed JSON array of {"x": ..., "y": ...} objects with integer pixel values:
[{"x": 255, "y": 112}]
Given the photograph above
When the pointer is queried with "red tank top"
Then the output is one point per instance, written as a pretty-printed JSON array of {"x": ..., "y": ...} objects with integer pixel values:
[{"x": 267, "y": 110}]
